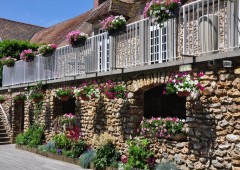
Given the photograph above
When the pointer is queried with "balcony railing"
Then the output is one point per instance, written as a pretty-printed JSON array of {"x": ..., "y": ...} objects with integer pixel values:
[{"x": 203, "y": 26}]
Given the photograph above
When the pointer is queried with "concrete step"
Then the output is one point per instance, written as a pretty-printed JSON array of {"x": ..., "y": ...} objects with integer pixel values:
[
  {"x": 5, "y": 143},
  {"x": 4, "y": 139}
]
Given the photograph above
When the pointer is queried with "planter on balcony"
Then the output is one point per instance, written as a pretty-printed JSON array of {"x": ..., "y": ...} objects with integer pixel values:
[
  {"x": 10, "y": 64},
  {"x": 183, "y": 94},
  {"x": 80, "y": 42},
  {"x": 116, "y": 32}
]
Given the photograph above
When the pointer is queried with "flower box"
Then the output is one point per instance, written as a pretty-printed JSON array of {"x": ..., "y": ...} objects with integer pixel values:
[
  {"x": 8, "y": 61},
  {"x": 64, "y": 98},
  {"x": 76, "y": 38},
  {"x": 115, "y": 25},
  {"x": 183, "y": 93},
  {"x": 47, "y": 50},
  {"x": 27, "y": 55}
]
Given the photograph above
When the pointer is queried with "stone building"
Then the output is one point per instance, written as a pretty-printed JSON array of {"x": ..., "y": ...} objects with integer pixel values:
[{"x": 203, "y": 38}]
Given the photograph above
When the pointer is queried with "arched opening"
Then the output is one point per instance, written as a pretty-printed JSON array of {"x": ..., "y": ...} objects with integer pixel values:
[
  {"x": 156, "y": 104},
  {"x": 69, "y": 106}
]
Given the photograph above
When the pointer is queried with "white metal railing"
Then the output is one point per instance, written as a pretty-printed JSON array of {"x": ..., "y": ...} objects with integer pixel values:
[
  {"x": 5, "y": 116},
  {"x": 210, "y": 25},
  {"x": 203, "y": 26}
]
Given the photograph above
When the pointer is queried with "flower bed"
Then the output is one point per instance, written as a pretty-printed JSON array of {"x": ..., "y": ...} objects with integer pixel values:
[
  {"x": 8, "y": 61},
  {"x": 183, "y": 84},
  {"x": 114, "y": 25},
  {"x": 169, "y": 128},
  {"x": 76, "y": 38},
  {"x": 161, "y": 11},
  {"x": 47, "y": 50}
]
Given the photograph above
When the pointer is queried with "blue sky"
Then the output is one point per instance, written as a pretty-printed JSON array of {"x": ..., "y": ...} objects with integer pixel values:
[{"x": 43, "y": 12}]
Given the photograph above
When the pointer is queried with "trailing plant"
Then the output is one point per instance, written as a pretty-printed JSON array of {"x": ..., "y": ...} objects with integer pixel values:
[
  {"x": 161, "y": 11},
  {"x": 27, "y": 55},
  {"x": 36, "y": 95},
  {"x": 113, "y": 90},
  {"x": 62, "y": 92},
  {"x": 161, "y": 127},
  {"x": 88, "y": 90},
  {"x": 48, "y": 49},
  {"x": 8, "y": 61},
  {"x": 75, "y": 37},
  {"x": 19, "y": 96},
  {"x": 106, "y": 155},
  {"x": 166, "y": 166},
  {"x": 68, "y": 119},
  {"x": 86, "y": 158},
  {"x": 2, "y": 99},
  {"x": 183, "y": 82},
  {"x": 113, "y": 23},
  {"x": 139, "y": 154},
  {"x": 32, "y": 137}
]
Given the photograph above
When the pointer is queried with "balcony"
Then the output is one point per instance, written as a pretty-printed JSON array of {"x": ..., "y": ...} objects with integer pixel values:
[{"x": 203, "y": 27}]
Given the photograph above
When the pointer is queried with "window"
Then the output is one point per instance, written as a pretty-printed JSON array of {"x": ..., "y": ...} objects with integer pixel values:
[
  {"x": 158, "y": 44},
  {"x": 69, "y": 106},
  {"x": 156, "y": 104}
]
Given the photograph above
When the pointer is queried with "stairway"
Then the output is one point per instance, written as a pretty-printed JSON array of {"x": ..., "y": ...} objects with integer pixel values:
[{"x": 4, "y": 139}]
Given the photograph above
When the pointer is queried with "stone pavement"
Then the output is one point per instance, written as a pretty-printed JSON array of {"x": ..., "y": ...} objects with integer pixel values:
[{"x": 14, "y": 159}]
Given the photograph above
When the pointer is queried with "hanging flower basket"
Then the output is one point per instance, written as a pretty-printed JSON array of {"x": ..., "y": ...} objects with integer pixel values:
[
  {"x": 47, "y": 50},
  {"x": 27, "y": 55},
  {"x": 76, "y": 38},
  {"x": 65, "y": 98},
  {"x": 37, "y": 100},
  {"x": 183, "y": 93},
  {"x": 114, "y": 25},
  {"x": 8, "y": 61},
  {"x": 84, "y": 97},
  {"x": 19, "y": 97},
  {"x": 179, "y": 137}
]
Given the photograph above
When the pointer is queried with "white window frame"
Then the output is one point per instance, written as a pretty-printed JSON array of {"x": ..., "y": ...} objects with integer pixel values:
[{"x": 158, "y": 44}]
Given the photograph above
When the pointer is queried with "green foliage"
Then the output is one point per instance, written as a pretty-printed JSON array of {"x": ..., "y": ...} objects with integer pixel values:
[
  {"x": 2, "y": 98},
  {"x": 78, "y": 148},
  {"x": 166, "y": 166},
  {"x": 139, "y": 154},
  {"x": 68, "y": 153},
  {"x": 20, "y": 96},
  {"x": 14, "y": 48},
  {"x": 36, "y": 95},
  {"x": 33, "y": 136},
  {"x": 62, "y": 142},
  {"x": 106, "y": 155},
  {"x": 86, "y": 158},
  {"x": 65, "y": 92}
]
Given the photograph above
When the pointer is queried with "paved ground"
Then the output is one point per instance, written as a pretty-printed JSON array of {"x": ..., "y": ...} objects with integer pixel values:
[{"x": 14, "y": 159}]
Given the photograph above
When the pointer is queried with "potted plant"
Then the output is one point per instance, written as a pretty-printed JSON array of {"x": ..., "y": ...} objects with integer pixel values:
[
  {"x": 65, "y": 93},
  {"x": 161, "y": 11},
  {"x": 183, "y": 84},
  {"x": 170, "y": 128},
  {"x": 113, "y": 90},
  {"x": 27, "y": 55},
  {"x": 8, "y": 61},
  {"x": 2, "y": 99},
  {"x": 19, "y": 97},
  {"x": 68, "y": 121},
  {"x": 88, "y": 91},
  {"x": 76, "y": 38},
  {"x": 47, "y": 50},
  {"x": 36, "y": 96},
  {"x": 114, "y": 25}
]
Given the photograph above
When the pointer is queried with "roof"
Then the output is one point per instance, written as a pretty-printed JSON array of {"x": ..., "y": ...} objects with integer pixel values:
[
  {"x": 116, "y": 7},
  {"x": 10, "y": 30},
  {"x": 57, "y": 33}
]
